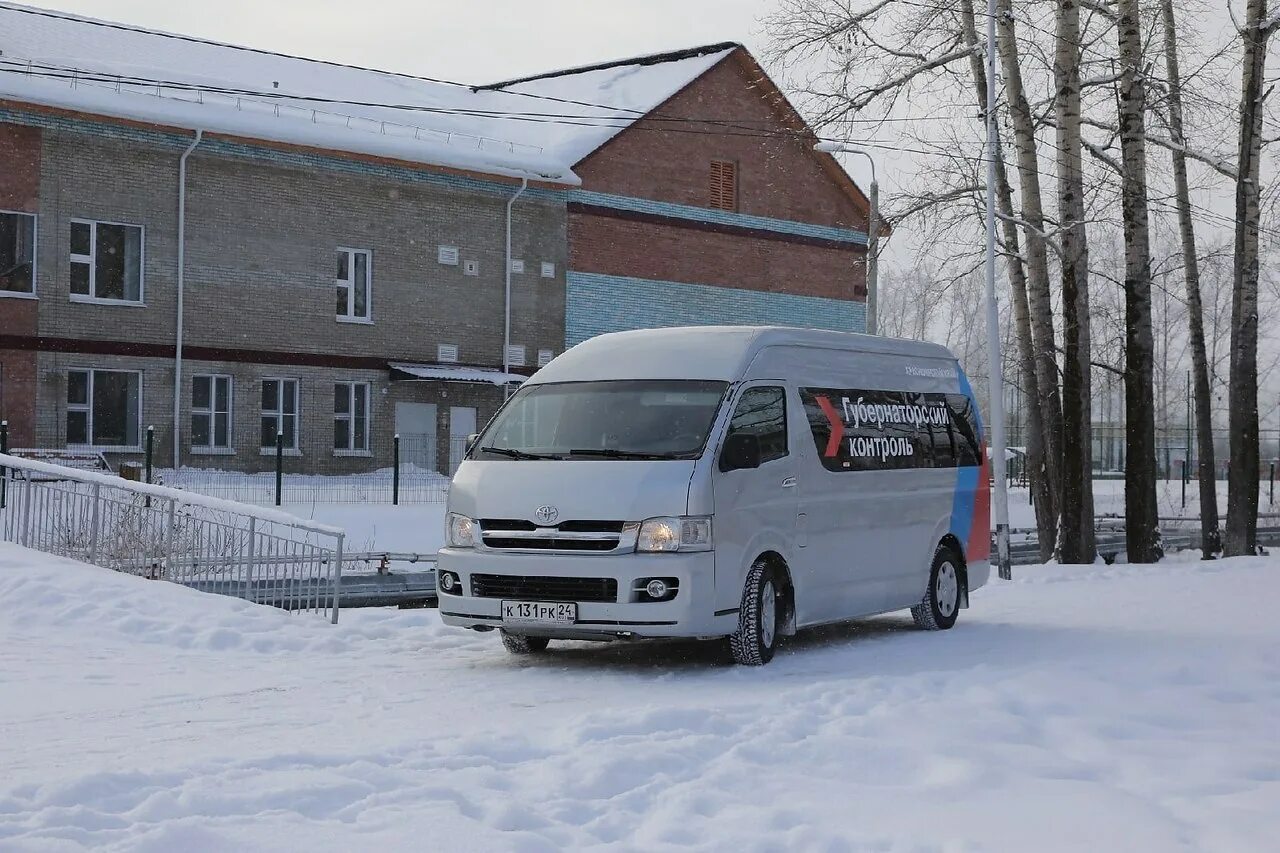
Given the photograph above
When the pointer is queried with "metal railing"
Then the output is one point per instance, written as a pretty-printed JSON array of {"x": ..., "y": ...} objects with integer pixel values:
[{"x": 216, "y": 546}]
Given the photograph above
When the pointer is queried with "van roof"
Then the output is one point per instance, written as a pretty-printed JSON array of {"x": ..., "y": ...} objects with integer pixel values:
[{"x": 708, "y": 352}]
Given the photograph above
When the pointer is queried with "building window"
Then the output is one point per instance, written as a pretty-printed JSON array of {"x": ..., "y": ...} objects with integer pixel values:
[
  {"x": 280, "y": 412},
  {"x": 724, "y": 184},
  {"x": 106, "y": 261},
  {"x": 548, "y": 269},
  {"x": 351, "y": 417},
  {"x": 17, "y": 253},
  {"x": 211, "y": 412},
  {"x": 447, "y": 352},
  {"x": 104, "y": 408},
  {"x": 515, "y": 355},
  {"x": 544, "y": 357},
  {"x": 354, "y": 284}
]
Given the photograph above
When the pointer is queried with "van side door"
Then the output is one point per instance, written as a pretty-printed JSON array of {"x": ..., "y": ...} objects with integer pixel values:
[{"x": 755, "y": 506}]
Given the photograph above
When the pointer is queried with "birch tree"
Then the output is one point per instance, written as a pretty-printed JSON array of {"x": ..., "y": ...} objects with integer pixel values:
[
  {"x": 1077, "y": 543},
  {"x": 1142, "y": 527},
  {"x": 1036, "y": 357},
  {"x": 1210, "y": 537},
  {"x": 1242, "y": 429}
]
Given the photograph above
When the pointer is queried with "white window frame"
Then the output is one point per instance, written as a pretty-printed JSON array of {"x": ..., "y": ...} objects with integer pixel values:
[
  {"x": 548, "y": 269},
  {"x": 91, "y": 259},
  {"x": 87, "y": 408},
  {"x": 545, "y": 356},
  {"x": 350, "y": 282},
  {"x": 516, "y": 355},
  {"x": 279, "y": 414},
  {"x": 350, "y": 418},
  {"x": 445, "y": 350},
  {"x": 212, "y": 448},
  {"x": 35, "y": 256}
]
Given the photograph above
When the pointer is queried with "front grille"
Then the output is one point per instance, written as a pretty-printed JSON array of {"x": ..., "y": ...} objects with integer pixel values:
[
  {"x": 544, "y": 589},
  {"x": 551, "y": 544},
  {"x": 588, "y": 536}
]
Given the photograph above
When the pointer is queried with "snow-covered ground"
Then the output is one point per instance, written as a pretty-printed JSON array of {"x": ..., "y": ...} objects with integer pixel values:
[{"x": 1117, "y": 708}]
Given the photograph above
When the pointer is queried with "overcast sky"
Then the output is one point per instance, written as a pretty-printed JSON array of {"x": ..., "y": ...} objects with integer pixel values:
[{"x": 463, "y": 40}]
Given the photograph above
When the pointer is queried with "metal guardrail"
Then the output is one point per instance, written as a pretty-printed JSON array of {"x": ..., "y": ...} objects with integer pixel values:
[
  {"x": 167, "y": 534},
  {"x": 1111, "y": 541}
]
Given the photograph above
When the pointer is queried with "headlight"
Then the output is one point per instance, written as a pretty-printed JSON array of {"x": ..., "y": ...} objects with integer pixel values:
[
  {"x": 659, "y": 535},
  {"x": 462, "y": 531}
]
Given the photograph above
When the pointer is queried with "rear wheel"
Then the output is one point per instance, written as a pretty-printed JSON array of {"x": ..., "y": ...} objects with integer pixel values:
[
  {"x": 520, "y": 644},
  {"x": 756, "y": 639},
  {"x": 941, "y": 604}
]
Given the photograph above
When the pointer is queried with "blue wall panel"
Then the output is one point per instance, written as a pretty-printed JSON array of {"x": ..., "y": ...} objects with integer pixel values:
[{"x": 597, "y": 303}]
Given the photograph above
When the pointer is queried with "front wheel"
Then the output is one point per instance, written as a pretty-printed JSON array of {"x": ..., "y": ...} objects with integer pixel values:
[
  {"x": 940, "y": 606},
  {"x": 520, "y": 644},
  {"x": 756, "y": 639}
]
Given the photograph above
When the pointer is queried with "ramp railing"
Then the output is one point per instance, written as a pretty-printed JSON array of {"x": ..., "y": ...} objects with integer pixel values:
[{"x": 217, "y": 546}]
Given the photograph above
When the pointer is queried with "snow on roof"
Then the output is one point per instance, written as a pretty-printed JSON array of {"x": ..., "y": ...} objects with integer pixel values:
[
  {"x": 632, "y": 87},
  {"x": 524, "y": 129},
  {"x": 457, "y": 373}
]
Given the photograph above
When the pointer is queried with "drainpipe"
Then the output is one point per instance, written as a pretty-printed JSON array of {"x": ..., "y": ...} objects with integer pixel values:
[
  {"x": 506, "y": 337},
  {"x": 177, "y": 350}
]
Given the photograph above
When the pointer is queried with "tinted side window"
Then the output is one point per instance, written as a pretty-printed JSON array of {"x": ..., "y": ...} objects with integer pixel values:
[
  {"x": 872, "y": 430},
  {"x": 762, "y": 412}
]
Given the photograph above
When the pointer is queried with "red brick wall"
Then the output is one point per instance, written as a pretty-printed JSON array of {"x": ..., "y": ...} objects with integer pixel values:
[
  {"x": 671, "y": 253},
  {"x": 19, "y": 190},
  {"x": 777, "y": 176},
  {"x": 19, "y": 167}
]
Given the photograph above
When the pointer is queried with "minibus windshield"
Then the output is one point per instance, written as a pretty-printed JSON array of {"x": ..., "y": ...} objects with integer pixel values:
[{"x": 620, "y": 419}]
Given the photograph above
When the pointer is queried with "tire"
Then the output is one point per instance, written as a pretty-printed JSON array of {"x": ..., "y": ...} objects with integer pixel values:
[
  {"x": 520, "y": 644},
  {"x": 756, "y": 639},
  {"x": 940, "y": 606}
]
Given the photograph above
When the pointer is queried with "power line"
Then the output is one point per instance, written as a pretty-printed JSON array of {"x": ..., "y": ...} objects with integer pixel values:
[{"x": 730, "y": 128}]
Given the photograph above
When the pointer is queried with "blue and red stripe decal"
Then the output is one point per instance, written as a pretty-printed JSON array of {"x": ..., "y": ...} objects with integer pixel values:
[{"x": 971, "y": 504}]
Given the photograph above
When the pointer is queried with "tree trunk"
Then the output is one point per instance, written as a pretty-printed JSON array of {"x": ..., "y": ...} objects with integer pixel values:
[
  {"x": 1043, "y": 490},
  {"x": 1210, "y": 537},
  {"x": 1077, "y": 543},
  {"x": 1242, "y": 432},
  {"x": 1041, "y": 303},
  {"x": 1141, "y": 522}
]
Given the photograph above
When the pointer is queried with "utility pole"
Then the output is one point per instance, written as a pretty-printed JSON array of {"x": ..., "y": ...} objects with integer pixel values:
[
  {"x": 873, "y": 232},
  {"x": 1000, "y": 511}
]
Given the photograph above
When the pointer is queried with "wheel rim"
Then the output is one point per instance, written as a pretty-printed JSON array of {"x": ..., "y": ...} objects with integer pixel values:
[
  {"x": 947, "y": 589},
  {"x": 768, "y": 614}
]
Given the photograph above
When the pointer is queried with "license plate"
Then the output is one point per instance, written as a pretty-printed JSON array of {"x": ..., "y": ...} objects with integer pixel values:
[{"x": 551, "y": 612}]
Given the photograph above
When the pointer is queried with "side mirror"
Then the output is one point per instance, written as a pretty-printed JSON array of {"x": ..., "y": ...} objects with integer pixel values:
[
  {"x": 741, "y": 452},
  {"x": 471, "y": 441}
]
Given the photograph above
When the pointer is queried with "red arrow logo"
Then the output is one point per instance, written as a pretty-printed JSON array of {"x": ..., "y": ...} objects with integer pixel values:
[{"x": 837, "y": 426}]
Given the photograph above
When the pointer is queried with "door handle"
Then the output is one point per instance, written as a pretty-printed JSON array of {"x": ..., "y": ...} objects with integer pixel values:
[{"x": 789, "y": 483}]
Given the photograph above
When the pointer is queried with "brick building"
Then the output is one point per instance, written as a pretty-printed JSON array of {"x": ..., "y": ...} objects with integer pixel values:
[{"x": 342, "y": 264}]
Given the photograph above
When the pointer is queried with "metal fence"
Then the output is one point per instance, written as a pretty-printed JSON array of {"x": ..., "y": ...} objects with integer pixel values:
[
  {"x": 160, "y": 533},
  {"x": 396, "y": 469},
  {"x": 414, "y": 486}
]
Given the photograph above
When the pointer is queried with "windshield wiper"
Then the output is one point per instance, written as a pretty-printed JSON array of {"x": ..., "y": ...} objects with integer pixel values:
[
  {"x": 512, "y": 453},
  {"x": 611, "y": 453}
]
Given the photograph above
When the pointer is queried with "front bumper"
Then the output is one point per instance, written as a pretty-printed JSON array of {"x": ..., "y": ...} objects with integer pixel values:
[{"x": 690, "y": 614}]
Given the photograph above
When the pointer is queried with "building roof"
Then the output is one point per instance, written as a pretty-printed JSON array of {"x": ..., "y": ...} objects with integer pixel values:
[
  {"x": 536, "y": 127},
  {"x": 456, "y": 373},
  {"x": 630, "y": 88}
]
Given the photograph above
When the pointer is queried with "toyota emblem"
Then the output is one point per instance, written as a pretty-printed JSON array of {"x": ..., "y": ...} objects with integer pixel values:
[{"x": 546, "y": 514}]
